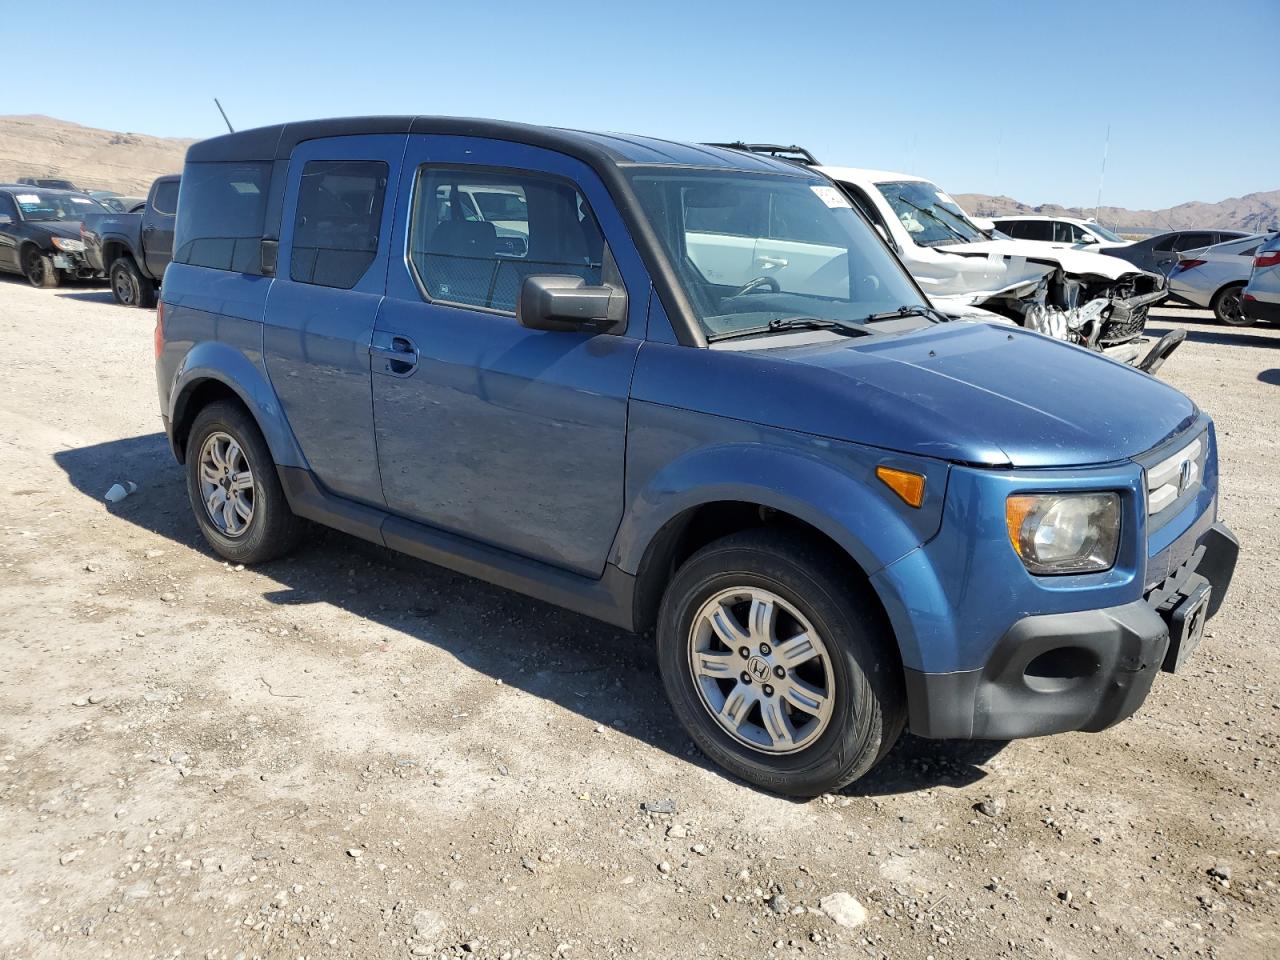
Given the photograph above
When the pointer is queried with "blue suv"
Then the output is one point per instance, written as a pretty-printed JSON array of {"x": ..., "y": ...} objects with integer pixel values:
[{"x": 687, "y": 389}]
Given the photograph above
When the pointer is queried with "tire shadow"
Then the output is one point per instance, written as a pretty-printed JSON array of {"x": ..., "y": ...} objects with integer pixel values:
[{"x": 919, "y": 764}]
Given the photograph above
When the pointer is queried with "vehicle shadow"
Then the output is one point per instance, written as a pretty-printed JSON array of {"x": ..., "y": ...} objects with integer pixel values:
[
  {"x": 1271, "y": 376},
  {"x": 600, "y": 672},
  {"x": 919, "y": 764},
  {"x": 98, "y": 295},
  {"x": 1221, "y": 336}
]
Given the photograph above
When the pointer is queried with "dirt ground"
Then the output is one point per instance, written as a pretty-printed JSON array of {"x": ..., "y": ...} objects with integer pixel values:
[{"x": 353, "y": 754}]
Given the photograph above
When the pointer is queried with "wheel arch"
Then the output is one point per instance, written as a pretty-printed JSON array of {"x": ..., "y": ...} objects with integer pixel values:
[
  {"x": 665, "y": 525},
  {"x": 215, "y": 371}
]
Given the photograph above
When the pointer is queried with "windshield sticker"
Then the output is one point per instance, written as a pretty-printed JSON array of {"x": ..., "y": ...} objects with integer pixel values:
[
  {"x": 832, "y": 197},
  {"x": 28, "y": 198}
]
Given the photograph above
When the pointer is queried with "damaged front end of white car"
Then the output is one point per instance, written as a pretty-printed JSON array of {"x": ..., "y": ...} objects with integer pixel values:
[{"x": 1102, "y": 311}]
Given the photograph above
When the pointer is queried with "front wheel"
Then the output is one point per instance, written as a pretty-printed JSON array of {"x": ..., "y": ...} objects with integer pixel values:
[
  {"x": 39, "y": 269},
  {"x": 780, "y": 663},
  {"x": 233, "y": 487},
  {"x": 1228, "y": 306}
]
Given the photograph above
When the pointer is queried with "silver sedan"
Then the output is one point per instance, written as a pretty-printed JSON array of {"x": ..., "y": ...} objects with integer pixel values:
[{"x": 1215, "y": 277}]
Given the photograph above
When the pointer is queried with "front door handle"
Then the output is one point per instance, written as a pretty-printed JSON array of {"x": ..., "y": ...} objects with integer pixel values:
[{"x": 399, "y": 357}]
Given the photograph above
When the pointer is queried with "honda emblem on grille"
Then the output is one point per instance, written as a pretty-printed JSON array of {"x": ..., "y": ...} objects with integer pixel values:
[{"x": 1184, "y": 475}]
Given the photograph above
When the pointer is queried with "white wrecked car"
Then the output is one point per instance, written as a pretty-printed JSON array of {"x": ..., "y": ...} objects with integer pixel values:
[{"x": 1087, "y": 298}]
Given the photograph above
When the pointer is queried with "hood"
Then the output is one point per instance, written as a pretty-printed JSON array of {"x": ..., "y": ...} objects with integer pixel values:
[
  {"x": 1073, "y": 262},
  {"x": 967, "y": 392},
  {"x": 57, "y": 228}
]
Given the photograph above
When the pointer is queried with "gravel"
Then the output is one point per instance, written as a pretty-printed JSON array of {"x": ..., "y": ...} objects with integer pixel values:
[{"x": 514, "y": 829}]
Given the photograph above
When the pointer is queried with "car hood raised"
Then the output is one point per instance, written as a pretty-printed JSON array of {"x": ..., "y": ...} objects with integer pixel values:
[{"x": 968, "y": 392}]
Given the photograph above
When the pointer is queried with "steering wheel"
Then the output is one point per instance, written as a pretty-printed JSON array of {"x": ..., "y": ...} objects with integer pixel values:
[{"x": 753, "y": 285}]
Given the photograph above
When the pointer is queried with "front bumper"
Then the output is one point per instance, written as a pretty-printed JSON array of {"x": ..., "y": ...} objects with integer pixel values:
[
  {"x": 73, "y": 264},
  {"x": 1071, "y": 671}
]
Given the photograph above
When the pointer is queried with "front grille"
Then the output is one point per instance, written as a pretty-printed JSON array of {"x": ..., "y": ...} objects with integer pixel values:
[{"x": 1176, "y": 477}]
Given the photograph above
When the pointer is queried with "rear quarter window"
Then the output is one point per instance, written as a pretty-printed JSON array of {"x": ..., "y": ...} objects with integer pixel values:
[
  {"x": 335, "y": 233},
  {"x": 222, "y": 212}
]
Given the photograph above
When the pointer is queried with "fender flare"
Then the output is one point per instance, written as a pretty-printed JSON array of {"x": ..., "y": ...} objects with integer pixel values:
[
  {"x": 214, "y": 361},
  {"x": 855, "y": 516}
]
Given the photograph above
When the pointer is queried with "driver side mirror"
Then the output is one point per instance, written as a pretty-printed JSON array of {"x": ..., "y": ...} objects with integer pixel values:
[
  {"x": 566, "y": 304},
  {"x": 5, "y": 219},
  {"x": 1087, "y": 239}
]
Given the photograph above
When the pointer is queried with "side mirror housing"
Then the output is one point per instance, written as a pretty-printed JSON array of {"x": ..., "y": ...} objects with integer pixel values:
[
  {"x": 5, "y": 219},
  {"x": 567, "y": 304},
  {"x": 1088, "y": 239}
]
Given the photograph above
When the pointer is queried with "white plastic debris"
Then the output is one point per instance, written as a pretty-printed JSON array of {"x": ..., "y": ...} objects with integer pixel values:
[{"x": 119, "y": 491}]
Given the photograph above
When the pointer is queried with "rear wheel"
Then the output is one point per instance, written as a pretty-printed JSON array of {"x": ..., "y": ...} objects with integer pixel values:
[
  {"x": 1228, "y": 306},
  {"x": 39, "y": 269},
  {"x": 128, "y": 286},
  {"x": 233, "y": 487},
  {"x": 779, "y": 663}
]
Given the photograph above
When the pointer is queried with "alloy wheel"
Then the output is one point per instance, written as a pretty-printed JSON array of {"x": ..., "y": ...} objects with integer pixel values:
[
  {"x": 226, "y": 484},
  {"x": 761, "y": 670}
]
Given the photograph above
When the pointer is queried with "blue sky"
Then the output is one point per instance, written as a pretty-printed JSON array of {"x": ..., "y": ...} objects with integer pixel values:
[{"x": 987, "y": 97}]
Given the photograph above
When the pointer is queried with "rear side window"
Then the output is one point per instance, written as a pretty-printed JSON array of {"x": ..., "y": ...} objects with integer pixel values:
[
  {"x": 475, "y": 234},
  {"x": 1193, "y": 241},
  {"x": 224, "y": 209},
  {"x": 166, "y": 198},
  {"x": 335, "y": 231},
  {"x": 1166, "y": 244}
]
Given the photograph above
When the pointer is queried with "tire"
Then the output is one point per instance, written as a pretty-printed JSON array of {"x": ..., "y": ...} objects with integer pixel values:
[
  {"x": 813, "y": 590},
  {"x": 128, "y": 286},
  {"x": 1228, "y": 306},
  {"x": 39, "y": 269},
  {"x": 270, "y": 530}
]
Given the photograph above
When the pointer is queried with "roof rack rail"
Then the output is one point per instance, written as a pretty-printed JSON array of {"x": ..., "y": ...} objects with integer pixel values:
[{"x": 793, "y": 153}]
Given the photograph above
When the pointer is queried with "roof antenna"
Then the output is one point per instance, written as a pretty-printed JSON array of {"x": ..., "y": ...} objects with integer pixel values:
[
  {"x": 1106, "y": 146},
  {"x": 230, "y": 128}
]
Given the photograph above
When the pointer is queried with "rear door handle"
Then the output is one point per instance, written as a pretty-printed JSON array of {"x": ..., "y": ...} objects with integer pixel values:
[{"x": 399, "y": 357}]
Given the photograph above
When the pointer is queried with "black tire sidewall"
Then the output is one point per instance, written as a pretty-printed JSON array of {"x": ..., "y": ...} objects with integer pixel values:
[
  {"x": 866, "y": 714},
  {"x": 48, "y": 272},
  {"x": 272, "y": 531},
  {"x": 140, "y": 286},
  {"x": 1237, "y": 290}
]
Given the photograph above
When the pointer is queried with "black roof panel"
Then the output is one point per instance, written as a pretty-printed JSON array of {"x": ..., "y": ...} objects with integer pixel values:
[{"x": 277, "y": 142}]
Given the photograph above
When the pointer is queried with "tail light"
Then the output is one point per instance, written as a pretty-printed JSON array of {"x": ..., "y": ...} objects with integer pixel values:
[
  {"x": 1188, "y": 264},
  {"x": 159, "y": 336},
  {"x": 1269, "y": 259}
]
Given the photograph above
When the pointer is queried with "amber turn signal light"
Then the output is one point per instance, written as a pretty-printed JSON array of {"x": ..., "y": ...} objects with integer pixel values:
[{"x": 909, "y": 486}]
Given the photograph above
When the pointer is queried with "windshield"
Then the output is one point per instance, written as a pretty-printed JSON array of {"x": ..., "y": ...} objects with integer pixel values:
[
  {"x": 752, "y": 249},
  {"x": 1104, "y": 233},
  {"x": 929, "y": 215},
  {"x": 53, "y": 206}
]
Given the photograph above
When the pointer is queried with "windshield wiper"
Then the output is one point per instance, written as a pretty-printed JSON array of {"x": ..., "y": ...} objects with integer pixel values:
[
  {"x": 930, "y": 313},
  {"x": 783, "y": 324},
  {"x": 936, "y": 219}
]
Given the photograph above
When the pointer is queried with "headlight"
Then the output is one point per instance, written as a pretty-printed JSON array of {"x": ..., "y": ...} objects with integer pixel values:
[
  {"x": 1056, "y": 533},
  {"x": 67, "y": 245}
]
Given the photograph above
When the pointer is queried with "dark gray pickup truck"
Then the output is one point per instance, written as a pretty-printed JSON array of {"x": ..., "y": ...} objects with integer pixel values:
[{"x": 132, "y": 249}]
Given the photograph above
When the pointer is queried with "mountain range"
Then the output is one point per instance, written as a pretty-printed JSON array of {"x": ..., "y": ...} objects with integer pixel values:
[
  {"x": 1255, "y": 212},
  {"x": 39, "y": 146}
]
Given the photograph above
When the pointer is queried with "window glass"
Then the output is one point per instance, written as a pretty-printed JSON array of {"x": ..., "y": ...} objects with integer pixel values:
[
  {"x": 223, "y": 210},
  {"x": 1012, "y": 228},
  {"x": 38, "y": 205},
  {"x": 7, "y": 207},
  {"x": 1036, "y": 230},
  {"x": 929, "y": 216},
  {"x": 1101, "y": 231},
  {"x": 475, "y": 234},
  {"x": 1065, "y": 232},
  {"x": 335, "y": 230},
  {"x": 166, "y": 198},
  {"x": 1165, "y": 244},
  {"x": 1193, "y": 241},
  {"x": 808, "y": 254}
]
